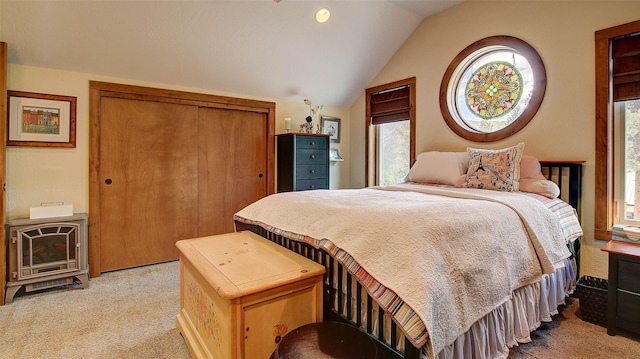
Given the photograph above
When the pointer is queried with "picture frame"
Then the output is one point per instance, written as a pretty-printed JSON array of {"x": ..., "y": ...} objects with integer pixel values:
[
  {"x": 331, "y": 127},
  {"x": 334, "y": 155},
  {"x": 41, "y": 120}
]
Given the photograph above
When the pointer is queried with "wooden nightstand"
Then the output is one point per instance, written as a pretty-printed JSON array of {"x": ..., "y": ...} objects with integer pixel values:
[
  {"x": 241, "y": 293},
  {"x": 303, "y": 161},
  {"x": 623, "y": 299}
]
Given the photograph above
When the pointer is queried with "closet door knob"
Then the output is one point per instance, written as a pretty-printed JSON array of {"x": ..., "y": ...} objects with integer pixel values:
[
  {"x": 108, "y": 181},
  {"x": 260, "y": 175}
]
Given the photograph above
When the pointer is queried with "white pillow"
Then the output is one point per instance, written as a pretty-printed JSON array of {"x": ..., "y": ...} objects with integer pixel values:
[
  {"x": 540, "y": 186},
  {"x": 439, "y": 167},
  {"x": 530, "y": 168},
  {"x": 532, "y": 180}
]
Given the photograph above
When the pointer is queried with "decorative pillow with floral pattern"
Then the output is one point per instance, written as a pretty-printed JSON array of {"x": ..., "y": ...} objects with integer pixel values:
[{"x": 494, "y": 169}]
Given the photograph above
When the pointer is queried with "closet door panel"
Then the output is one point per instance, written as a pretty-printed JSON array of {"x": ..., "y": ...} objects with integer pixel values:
[
  {"x": 232, "y": 165},
  {"x": 149, "y": 181}
]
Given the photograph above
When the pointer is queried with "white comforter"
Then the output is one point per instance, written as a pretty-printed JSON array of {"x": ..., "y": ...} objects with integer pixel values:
[{"x": 452, "y": 255}]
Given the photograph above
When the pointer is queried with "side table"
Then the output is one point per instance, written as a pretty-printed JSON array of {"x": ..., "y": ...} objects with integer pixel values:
[{"x": 623, "y": 297}]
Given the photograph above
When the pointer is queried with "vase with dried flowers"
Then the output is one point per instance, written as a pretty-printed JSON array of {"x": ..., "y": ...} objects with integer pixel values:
[{"x": 313, "y": 112}]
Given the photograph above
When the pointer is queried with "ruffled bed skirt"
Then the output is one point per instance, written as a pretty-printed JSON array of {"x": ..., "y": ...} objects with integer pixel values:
[{"x": 513, "y": 321}]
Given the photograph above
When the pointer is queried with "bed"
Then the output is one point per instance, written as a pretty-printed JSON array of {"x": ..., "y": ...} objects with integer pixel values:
[{"x": 464, "y": 287}]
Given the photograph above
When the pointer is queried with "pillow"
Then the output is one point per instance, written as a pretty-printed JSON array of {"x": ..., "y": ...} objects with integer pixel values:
[
  {"x": 494, "y": 169},
  {"x": 530, "y": 168},
  {"x": 438, "y": 167},
  {"x": 540, "y": 186}
]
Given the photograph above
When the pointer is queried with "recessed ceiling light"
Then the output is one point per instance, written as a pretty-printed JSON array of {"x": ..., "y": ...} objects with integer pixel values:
[{"x": 322, "y": 15}]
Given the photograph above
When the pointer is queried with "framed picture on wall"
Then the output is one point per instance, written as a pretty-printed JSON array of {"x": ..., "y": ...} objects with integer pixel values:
[
  {"x": 331, "y": 127},
  {"x": 41, "y": 120}
]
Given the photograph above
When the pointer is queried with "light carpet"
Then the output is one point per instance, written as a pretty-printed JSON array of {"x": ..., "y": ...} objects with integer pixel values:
[
  {"x": 131, "y": 314},
  {"x": 123, "y": 314},
  {"x": 569, "y": 337}
]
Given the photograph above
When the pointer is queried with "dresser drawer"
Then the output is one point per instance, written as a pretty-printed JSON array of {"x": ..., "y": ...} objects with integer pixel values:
[
  {"x": 303, "y": 185},
  {"x": 629, "y": 308},
  {"x": 312, "y": 142},
  {"x": 311, "y": 156},
  {"x": 311, "y": 171},
  {"x": 630, "y": 270}
]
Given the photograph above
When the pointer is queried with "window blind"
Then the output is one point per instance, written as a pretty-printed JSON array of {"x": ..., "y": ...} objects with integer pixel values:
[
  {"x": 625, "y": 52},
  {"x": 390, "y": 106}
]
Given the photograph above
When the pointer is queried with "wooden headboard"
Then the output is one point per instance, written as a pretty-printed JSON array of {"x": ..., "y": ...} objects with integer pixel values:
[{"x": 568, "y": 176}]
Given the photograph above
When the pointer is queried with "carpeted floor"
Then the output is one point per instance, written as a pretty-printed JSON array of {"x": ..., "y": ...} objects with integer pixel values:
[
  {"x": 123, "y": 314},
  {"x": 569, "y": 337},
  {"x": 131, "y": 314}
]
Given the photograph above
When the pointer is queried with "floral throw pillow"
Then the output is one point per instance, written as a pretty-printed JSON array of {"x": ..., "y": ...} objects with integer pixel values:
[{"x": 494, "y": 169}]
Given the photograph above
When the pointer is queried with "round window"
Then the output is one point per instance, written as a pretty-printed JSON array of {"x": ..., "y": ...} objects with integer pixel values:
[{"x": 492, "y": 89}]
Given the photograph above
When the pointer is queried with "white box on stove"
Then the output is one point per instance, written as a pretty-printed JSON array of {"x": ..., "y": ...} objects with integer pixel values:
[{"x": 63, "y": 210}]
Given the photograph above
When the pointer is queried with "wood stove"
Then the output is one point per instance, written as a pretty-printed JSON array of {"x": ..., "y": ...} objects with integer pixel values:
[{"x": 45, "y": 253}]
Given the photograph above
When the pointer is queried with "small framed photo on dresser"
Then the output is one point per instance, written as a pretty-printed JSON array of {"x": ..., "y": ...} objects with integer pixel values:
[{"x": 331, "y": 127}]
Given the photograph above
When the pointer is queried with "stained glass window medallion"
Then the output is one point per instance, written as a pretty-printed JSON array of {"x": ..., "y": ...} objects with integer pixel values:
[{"x": 493, "y": 91}]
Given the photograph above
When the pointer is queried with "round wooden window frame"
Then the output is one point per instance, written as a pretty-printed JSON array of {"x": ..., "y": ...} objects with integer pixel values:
[{"x": 539, "y": 88}]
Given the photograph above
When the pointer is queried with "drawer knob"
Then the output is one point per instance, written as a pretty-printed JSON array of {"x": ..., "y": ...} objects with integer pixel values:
[
  {"x": 312, "y": 156},
  {"x": 312, "y": 143},
  {"x": 312, "y": 186},
  {"x": 312, "y": 171}
]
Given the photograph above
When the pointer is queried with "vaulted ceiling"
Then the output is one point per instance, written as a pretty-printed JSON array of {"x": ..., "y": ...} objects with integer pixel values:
[{"x": 260, "y": 48}]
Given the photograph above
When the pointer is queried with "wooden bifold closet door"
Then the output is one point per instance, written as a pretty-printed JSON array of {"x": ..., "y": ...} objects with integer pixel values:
[{"x": 167, "y": 166}]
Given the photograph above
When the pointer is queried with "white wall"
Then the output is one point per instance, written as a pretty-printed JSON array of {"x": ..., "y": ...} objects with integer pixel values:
[
  {"x": 564, "y": 128},
  {"x": 39, "y": 174}
]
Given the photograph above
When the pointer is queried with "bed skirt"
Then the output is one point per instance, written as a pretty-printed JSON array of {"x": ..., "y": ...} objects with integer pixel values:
[{"x": 512, "y": 323}]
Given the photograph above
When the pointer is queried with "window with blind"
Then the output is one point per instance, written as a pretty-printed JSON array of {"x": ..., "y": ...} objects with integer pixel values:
[
  {"x": 390, "y": 105},
  {"x": 390, "y": 131},
  {"x": 617, "y": 167},
  {"x": 625, "y": 53}
]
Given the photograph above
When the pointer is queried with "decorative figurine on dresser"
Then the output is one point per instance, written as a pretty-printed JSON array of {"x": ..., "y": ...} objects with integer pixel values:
[{"x": 303, "y": 161}]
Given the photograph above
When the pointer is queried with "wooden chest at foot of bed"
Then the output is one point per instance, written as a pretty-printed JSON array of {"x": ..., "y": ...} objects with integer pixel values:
[{"x": 240, "y": 294}]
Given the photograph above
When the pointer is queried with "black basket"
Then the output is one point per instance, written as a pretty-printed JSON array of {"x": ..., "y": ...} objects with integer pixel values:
[{"x": 592, "y": 293}]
